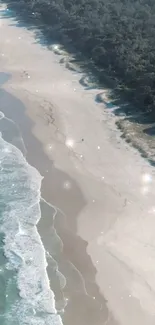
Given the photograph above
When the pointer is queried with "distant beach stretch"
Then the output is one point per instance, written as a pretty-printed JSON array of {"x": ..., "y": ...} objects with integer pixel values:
[{"x": 76, "y": 199}]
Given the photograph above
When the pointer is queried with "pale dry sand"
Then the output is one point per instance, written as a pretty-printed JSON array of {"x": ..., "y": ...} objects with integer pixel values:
[{"x": 114, "y": 204}]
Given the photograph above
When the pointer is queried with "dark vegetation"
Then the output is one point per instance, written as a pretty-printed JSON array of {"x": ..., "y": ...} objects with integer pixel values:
[{"x": 116, "y": 36}]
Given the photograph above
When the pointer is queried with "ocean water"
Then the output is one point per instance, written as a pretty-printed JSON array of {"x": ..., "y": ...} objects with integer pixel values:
[{"x": 25, "y": 293}]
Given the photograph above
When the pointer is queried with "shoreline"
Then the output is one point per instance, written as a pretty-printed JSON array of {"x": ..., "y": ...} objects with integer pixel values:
[
  {"x": 82, "y": 272},
  {"x": 118, "y": 195}
]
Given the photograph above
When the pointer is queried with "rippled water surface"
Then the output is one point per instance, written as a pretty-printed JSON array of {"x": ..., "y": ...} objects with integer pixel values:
[{"x": 25, "y": 294}]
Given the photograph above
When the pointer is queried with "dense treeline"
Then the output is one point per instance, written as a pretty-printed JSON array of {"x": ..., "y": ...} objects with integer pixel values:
[{"x": 118, "y": 36}]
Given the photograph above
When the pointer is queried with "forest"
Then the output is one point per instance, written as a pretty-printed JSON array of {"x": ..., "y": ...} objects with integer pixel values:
[{"x": 116, "y": 36}]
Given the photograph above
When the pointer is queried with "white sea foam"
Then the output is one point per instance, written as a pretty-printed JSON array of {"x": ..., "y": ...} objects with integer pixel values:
[
  {"x": 19, "y": 203},
  {"x": 1, "y": 115}
]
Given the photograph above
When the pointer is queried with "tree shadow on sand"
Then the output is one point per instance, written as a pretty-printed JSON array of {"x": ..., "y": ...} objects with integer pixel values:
[{"x": 48, "y": 34}]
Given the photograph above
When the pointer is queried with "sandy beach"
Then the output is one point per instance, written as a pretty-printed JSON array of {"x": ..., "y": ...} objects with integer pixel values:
[{"x": 100, "y": 191}]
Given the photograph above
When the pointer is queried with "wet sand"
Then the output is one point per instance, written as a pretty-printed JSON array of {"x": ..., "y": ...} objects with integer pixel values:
[
  {"x": 72, "y": 258},
  {"x": 103, "y": 187}
]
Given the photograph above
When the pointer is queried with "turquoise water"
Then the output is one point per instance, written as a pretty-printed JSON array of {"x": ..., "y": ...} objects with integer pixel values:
[{"x": 25, "y": 294}]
